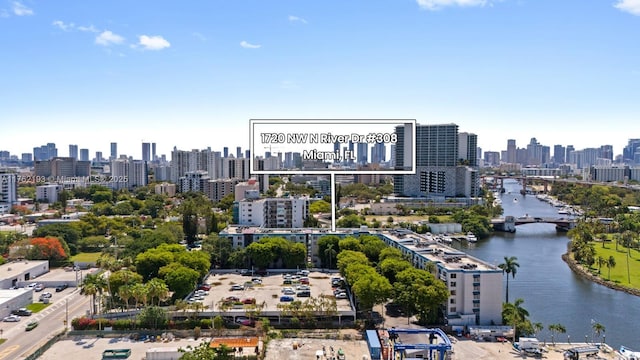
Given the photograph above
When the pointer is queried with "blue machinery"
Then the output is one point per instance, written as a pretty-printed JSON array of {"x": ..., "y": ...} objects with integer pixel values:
[{"x": 435, "y": 351}]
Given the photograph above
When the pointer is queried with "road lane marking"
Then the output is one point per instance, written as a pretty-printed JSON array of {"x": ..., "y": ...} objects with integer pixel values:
[{"x": 8, "y": 351}]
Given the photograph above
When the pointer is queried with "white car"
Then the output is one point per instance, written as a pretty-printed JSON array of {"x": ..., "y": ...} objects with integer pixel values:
[
  {"x": 303, "y": 288},
  {"x": 341, "y": 295},
  {"x": 285, "y": 289},
  {"x": 11, "y": 318}
]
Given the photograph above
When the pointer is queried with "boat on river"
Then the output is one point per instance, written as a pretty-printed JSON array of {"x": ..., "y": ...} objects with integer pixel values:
[
  {"x": 471, "y": 237},
  {"x": 628, "y": 354}
]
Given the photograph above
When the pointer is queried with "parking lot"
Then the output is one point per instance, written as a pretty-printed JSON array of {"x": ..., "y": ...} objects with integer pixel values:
[{"x": 236, "y": 290}]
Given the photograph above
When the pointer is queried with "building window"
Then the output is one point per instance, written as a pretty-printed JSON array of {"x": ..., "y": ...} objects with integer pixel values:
[
  {"x": 453, "y": 293},
  {"x": 476, "y": 305},
  {"x": 452, "y": 309},
  {"x": 452, "y": 301},
  {"x": 453, "y": 276},
  {"x": 452, "y": 284}
]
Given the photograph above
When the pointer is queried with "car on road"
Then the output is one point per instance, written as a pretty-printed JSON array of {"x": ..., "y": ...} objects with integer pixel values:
[
  {"x": 22, "y": 312},
  {"x": 31, "y": 325},
  {"x": 61, "y": 287},
  {"x": 11, "y": 318},
  {"x": 286, "y": 298}
]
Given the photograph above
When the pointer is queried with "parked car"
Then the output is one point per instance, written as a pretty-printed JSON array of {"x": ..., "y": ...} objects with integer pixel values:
[
  {"x": 31, "y": 325},
  {"x": 22, "y": 312},
  {"x": 286, "y": 298},
  {"x": 303, "y": 294},
  {"x": 289, "y": 292},
  {"x": 232, "y": 299},
  {"x": 205, "y": 287},
  {"x": 304, "y": 280},
  {"x": 45, "y": 295},
  {"x": 61, "y": 287},
  {"x": 38, "y": 287},
  {"x": 11, "y": 318},
  {"x": 237, "y": 287},
  {"x": 249, "y": 301},
  {"x": 245, "y": 321},
  {"x": 303, "y": 288},
  {"x": 341, "y": 295}
]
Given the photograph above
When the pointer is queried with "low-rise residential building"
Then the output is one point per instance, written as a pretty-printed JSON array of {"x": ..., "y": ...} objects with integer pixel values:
[
  {"x": 272, "y": 212},
  {"x": 475, "y": 286}
]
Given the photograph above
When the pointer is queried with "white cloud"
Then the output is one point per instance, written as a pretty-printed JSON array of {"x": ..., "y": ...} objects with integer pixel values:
[
  {"x": 293, "y": 18},
  {"x": 630, "y": 6},
  {"x": 153, "y": 42},
  {"x": 21, "y": 10},
  {"x": 107, "y": 38},
  {"x": 89, "y": 28},
  {"x": 64, "y": 27},
  {"x": 438, "y": 4},
  {"x": 247, "y": 45}
]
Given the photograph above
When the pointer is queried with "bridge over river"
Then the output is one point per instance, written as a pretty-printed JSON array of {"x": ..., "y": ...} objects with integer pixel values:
[{"x": 509, "y": 223}]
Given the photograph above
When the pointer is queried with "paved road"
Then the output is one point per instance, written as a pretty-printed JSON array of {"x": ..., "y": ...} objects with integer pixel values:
[{"x": 21, "y": 343}]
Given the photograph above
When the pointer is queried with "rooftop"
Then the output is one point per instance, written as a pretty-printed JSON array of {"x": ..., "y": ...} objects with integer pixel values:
[{"x": 17, "y": 267}]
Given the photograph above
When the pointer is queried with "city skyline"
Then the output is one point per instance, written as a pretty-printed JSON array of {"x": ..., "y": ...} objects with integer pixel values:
[{"x": 146, "y": 72}]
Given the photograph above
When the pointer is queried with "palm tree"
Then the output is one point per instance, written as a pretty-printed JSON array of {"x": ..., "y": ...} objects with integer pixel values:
[
  {"x": 598, "y": 329},
  {"x": 139, "y": 293},
  {"x": 611, "y": 263},
  {"x": 510, "y": 266},
  {"x": 556, "y": 328},
  {"x": 157, "y": 288},
  {"x": 92, "y": 285},
  {"x": 537, "y": 327},
  {"x": 601, "y": 261},
  {"x": 125, "y": 292},
  {"x": 514, "y": 314},
  {"x": 329, "y": 252}
]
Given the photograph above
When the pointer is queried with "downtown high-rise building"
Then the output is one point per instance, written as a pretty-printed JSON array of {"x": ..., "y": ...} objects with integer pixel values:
[
  {"x": 73, "y": 151},
  {"x": 559, "y": 154},
  {"x": 511, "y": 151},
  {"x": 146, "y": 152},
  {"x": 84, "y": 154},
  {"x": 438, "y": 174},
  {"x": 362, "y": 154},
  {"x": 114, "y": 151},
  {"x": 378, "y": 153},
  {"x": 468, "y": 148},
  {"x": 45, "y": 152}
]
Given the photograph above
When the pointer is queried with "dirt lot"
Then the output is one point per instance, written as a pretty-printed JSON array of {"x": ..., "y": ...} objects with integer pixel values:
[{"x": 308, "y": 348}]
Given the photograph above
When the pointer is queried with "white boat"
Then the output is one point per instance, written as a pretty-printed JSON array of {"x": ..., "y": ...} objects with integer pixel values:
[
  {"x": 628, "y": 354},
  {"x": 471, "y": 237}
]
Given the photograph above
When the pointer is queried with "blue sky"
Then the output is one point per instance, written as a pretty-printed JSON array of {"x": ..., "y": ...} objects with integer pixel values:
[{"x": 192, "y": 74}]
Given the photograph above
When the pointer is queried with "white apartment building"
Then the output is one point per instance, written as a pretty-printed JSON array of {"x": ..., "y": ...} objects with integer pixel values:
[
  {"x": 165, "y": 189},
  {"x": 273, "y": 212},
  {"x": 48, "y": 192},
  {"x": 8, "y": 191},
  {"x": 475, "y": 286}
]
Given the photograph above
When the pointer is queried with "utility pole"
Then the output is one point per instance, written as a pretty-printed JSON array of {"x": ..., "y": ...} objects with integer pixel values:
[{"x": 66, "y": 320}]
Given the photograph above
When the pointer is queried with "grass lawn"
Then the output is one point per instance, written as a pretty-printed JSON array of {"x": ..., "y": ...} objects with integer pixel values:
[
  {"x": 37, "y": 307},
  {"x": 85, "y": 257},
  {"x": 619, "y": 272}
]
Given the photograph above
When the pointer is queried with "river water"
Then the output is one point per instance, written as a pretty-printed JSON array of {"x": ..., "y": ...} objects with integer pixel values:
[{"x": 552, "y": 293}]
